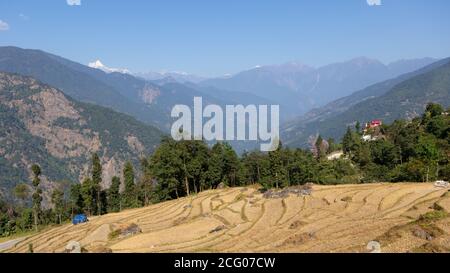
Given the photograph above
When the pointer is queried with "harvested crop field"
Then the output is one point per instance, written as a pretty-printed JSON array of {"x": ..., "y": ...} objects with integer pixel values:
[{"x": 402, "y": 217}]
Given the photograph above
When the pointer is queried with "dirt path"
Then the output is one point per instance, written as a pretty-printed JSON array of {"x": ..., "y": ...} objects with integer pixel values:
[{"x": 9, "y": 244}]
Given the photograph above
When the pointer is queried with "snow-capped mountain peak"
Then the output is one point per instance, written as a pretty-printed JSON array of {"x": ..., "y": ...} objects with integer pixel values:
[{"x": 99, "y": 65}]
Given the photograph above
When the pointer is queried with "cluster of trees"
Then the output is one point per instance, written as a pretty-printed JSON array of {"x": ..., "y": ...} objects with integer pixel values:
[
  {"x": 68, "y": 199},
  {"x": 90, "y": 198},
  {"x": 414, "y": 151},
  {"x": 21, "y": 217},
  {"x": 180, "y": 168}
]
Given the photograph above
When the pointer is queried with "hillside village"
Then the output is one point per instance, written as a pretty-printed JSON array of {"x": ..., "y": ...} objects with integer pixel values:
[{"x": 371, "y": 132}]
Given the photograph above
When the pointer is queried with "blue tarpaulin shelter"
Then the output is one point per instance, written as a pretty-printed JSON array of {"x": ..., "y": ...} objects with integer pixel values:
[{"x": 79, "y": 218}]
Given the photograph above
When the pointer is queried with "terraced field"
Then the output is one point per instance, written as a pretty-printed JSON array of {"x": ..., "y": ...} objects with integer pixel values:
[{"x": 402, "y": 217}]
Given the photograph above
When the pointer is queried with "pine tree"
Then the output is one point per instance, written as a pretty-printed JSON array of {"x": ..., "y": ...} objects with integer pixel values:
[
  {"x": 278, "y": 171},
  {"x": 97, "y": 180},
  {"x": 129, "y": 192},
  {"x": 37, "y": 198},
  {"x": 347, "y": 141},
  {"x": 114, "y": 195},
  {"x": 76, "y": 199},
  {"x": 89, "y": 195},
  {"x": 103, "y": 202}
]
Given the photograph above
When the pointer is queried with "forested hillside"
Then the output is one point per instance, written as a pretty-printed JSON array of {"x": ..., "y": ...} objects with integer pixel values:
[{"x": 41, "y": 125}]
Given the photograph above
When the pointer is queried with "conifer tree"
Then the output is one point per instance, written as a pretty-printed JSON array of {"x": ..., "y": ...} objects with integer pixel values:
[
  {"x": 277, "y": 170},
  {"x": 76, "y": 199},
  {"x": 129, "y": 192},
  {"x": 114, "y": 195},
  {"x": 37, "y": 198},
  {"x": 146, "y": 182},
  {"x": 96, "y": 182},
  {"x": 347, "y": 141},
  {"x": 89, "y": 195}
]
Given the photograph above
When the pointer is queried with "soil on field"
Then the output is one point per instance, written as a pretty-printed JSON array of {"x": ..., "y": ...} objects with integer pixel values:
[{"x": 402, "y": 217}]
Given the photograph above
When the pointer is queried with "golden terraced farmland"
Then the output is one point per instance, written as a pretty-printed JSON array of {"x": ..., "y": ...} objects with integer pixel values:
[{"x": 402, "y": 217}]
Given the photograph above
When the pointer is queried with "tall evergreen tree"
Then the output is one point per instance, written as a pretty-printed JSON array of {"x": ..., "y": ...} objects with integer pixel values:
[
  {"x": 76, "y": 199},
  {"x": 347, "y": 141},
  {"x": 146, "y": 182},
  {"x": 96, "y": 182},
  {"x": 114, "y": 198},
  {"x": 89, "y": 195},
  {"x": 277, "y": 169},
  {"x": 129, "y": 192},
  {"x": 37, "y": 198}
]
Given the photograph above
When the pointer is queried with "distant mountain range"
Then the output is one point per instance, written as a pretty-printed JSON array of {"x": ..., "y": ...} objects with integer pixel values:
[
  {"x": 402, "y": 97},
  {"x": 316, "y": 93},
  {"x": 148, "y": 101},
  {"x": 41, "y": 125},
  {"x": 181, "y": 77},
  {"x": 299, "y": 88}
]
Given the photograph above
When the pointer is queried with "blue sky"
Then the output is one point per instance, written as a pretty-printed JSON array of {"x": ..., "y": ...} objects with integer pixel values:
[{"x": 213, "y": 38}]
